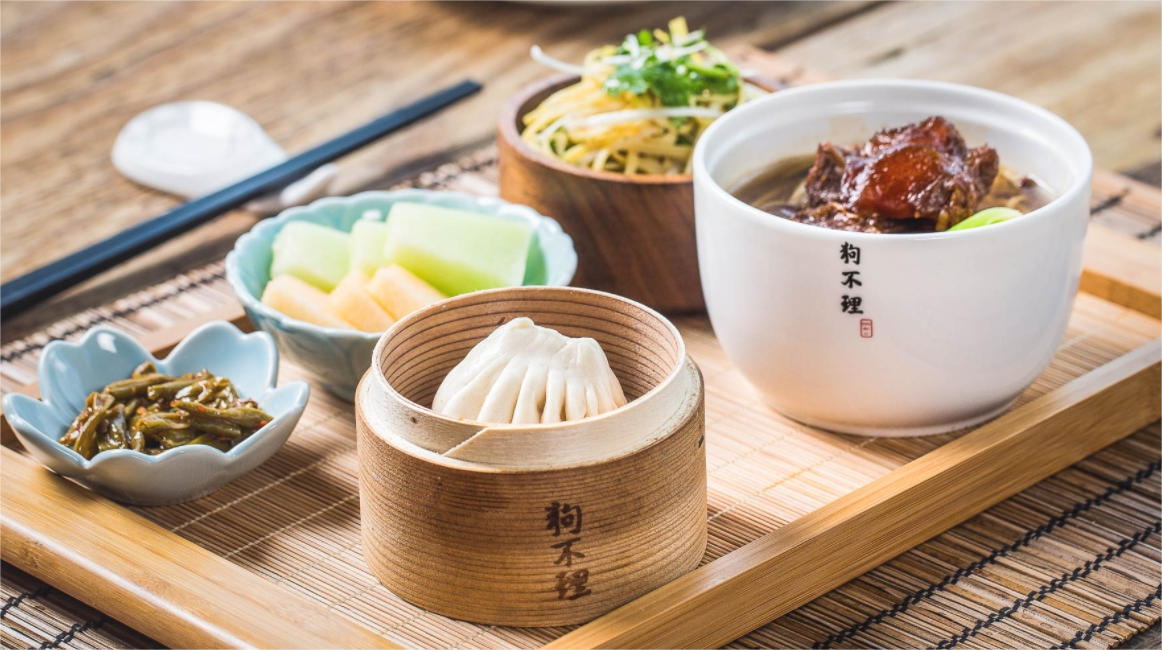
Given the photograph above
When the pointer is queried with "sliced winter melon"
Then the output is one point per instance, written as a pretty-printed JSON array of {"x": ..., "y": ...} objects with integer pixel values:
[
  {"x": 352, "y": 302},
  {"x": 457, "y": 251},
  {"x": 368, "y": 239},
  {"x": 401, "y": 292},
  {"x": 312, "y": 253},
  {"x": 297, "y": 299}
]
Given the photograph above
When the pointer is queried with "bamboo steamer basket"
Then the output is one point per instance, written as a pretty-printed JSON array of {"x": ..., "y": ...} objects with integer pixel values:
[{"x": 539, "y": 525}]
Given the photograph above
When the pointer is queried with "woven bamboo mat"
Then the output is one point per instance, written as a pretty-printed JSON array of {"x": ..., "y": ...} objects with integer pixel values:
[{"x": 1072, "y": 561}]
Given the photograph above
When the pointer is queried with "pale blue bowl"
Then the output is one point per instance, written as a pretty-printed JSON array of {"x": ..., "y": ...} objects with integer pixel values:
[
  {"x": 338, "y": 357},
  {"x": 68, "y": 372}
]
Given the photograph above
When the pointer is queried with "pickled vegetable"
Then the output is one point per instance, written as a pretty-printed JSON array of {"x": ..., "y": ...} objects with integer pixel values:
[{"x": 151, "y": 412}]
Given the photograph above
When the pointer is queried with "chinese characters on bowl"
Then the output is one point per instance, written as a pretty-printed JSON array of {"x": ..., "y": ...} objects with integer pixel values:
[{"x": 853, "y": 304}]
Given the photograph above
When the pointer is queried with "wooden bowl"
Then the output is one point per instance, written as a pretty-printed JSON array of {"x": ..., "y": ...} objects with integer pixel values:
[
  {"x": 634, "y": 235},
  {"x": 538, "y": 525}
]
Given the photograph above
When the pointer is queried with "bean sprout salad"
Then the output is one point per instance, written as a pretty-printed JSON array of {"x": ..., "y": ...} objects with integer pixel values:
[{"x": 639, "y": 107}]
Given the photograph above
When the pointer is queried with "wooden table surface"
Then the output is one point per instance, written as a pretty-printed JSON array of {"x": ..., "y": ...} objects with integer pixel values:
[{"x": 72, "y": 74}]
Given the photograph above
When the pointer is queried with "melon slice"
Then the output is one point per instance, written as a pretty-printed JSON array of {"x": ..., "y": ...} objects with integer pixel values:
[
  {"x": 297, "y": 299},
  {"x": 312, "y": 253},
  {"x": 352, "y": 302},
  {"x": 400, "y": 292},
  {"x": 457, "y": 251},
  {"x": 368, "y": 239}
]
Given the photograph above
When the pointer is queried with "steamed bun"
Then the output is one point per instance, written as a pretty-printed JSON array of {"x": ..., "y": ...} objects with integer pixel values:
[{"x": 526, "y": 374}]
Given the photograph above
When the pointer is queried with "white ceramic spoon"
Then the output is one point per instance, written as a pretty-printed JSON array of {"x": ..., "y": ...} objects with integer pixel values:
[{"x": 194, "y": 148}]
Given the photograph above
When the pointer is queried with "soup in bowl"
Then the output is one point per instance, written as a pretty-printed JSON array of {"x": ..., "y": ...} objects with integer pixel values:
[{"x": 858, "y": 278}]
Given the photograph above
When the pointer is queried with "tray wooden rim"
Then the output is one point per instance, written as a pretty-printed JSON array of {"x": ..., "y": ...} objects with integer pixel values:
[{"x": 688, "y": 612}]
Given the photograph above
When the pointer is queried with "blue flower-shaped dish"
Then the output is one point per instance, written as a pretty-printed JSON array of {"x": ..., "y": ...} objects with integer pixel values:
[
  {"x": 339, "y": 357},
  {"x": 70, "y": 371}
]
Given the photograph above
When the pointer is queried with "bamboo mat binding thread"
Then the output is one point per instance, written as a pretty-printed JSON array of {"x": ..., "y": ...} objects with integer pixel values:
[
  {"x": 1073, "y": 560},
  {"x": 37, "y": 616}
]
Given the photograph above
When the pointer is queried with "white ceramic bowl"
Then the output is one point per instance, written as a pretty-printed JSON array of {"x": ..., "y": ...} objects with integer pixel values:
[
  {"x": 70, "y": 371},
  {"x": 955, "y": 325}
]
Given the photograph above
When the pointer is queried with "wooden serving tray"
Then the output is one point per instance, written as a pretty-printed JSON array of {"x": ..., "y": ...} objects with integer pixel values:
[
  {"x": 795, "y": 511},
  {"x": 274, "y": 558}
]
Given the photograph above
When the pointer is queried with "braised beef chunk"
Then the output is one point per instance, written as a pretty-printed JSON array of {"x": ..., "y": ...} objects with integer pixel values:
[
  {"x": 919, "y": 171},
  {"x": 914, "y": 179},
  {"x": 836, "y": 217},
  {"x": 824, "y": 182}
]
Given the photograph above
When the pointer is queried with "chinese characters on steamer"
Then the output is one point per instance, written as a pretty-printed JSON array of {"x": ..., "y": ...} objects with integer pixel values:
[{"x": 565, "y": 521}]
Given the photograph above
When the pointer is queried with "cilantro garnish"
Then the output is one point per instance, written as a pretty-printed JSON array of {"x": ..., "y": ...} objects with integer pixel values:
[{"x": 676, "y": 71}]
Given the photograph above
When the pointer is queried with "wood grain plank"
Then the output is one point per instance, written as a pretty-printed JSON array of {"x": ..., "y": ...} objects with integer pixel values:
[
  {"x": 1123, "y": 270},
  {"x": 1096, "y": 64},
  {"x": 205, "y": 244},
  {"x": 163, "y": 585},
  {"x": 1132, "y": 192},
  {"x": 808, "y": 557},
  {"x": 76, "y": 73}
]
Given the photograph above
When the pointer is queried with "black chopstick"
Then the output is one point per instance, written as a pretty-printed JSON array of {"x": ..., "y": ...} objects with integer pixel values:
[{"x": 18, "y": 295}]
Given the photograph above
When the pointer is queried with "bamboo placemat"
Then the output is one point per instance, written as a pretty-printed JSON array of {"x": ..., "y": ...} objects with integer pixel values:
[{"x": 1073, "y": 561}]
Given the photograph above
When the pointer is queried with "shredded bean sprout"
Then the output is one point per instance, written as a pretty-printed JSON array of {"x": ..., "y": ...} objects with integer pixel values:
[{"x": 640, "y": 107}]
